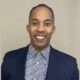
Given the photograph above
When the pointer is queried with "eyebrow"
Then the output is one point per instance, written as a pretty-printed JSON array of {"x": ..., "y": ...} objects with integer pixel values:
[
  {"x": 48, "y": 20},
  {"x": 38, "y": 20},
  {"x": 34, "y": 19}
]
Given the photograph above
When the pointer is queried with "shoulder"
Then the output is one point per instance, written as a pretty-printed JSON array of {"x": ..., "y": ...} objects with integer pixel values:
[
  {"x": 62, "y": 56},
  {"x": 15, "y": 53},
  {"x": 64, "y": 59},
  {"x": 65, "y": 62}
]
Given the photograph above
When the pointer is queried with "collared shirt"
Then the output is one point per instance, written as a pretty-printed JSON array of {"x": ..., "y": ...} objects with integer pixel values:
[{"x": 36, "y": 64}]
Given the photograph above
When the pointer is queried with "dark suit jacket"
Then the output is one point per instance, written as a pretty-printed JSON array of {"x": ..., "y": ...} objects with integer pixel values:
[{"x": 61, "y": 66}]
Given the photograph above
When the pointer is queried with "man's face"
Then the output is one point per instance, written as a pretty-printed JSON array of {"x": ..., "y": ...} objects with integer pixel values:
[{"x": 40, "y": 28}]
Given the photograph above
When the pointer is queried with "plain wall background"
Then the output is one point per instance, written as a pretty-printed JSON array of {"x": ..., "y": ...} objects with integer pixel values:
[{"x": 14, "y": 17}]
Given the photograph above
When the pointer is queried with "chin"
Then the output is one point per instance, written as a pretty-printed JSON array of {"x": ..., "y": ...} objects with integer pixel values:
[{"x": 41, "y": 46}]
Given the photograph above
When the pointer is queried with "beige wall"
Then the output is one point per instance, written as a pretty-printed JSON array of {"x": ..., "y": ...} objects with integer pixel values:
[{"x": 14, "y": 17}]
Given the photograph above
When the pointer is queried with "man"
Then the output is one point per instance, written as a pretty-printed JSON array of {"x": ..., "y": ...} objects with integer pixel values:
[{"x": 39, "y": 61}]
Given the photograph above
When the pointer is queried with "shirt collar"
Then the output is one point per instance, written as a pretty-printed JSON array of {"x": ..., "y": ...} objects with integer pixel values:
[{"x": 32, "y": 52}]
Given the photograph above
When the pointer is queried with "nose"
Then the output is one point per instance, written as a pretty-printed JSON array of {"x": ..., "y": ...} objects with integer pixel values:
[{"x": 41, "y": 28}]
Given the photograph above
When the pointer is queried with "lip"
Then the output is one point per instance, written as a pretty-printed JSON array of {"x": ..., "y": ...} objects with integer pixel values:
[{"x": 40, "y": 38}]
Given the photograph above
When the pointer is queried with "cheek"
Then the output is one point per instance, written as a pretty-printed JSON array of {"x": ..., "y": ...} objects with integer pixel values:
[
  {"x": 49, "y": 30},
  {"x": 32, "y": 29},
  {"x": 32, "y": 32}
]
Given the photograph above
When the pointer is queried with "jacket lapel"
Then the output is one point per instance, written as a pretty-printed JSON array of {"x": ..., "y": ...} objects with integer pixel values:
[
  {"x": 52, "y": 66},
  {"x": 20, "y": 73}
]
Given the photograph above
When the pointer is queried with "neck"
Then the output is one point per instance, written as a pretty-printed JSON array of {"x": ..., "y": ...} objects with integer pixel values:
[{"x": 39, "y": 48}]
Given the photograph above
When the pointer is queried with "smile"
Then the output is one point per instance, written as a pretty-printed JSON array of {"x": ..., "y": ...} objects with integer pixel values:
[{"x": 40, "y": 37}]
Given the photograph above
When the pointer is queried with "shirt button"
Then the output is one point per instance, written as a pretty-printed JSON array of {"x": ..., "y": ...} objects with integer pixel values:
[{"x": 37, "y": 63}]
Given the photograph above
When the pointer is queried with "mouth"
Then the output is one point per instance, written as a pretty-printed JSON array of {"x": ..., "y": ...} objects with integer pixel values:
[{"x": 40, "y": 38}]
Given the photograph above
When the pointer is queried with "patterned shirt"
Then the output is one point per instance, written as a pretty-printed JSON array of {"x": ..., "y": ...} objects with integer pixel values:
[{"x": 36, "y": 64}]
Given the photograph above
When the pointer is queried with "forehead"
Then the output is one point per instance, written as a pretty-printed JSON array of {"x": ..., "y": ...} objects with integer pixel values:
[{"x": 41, "y": 13}]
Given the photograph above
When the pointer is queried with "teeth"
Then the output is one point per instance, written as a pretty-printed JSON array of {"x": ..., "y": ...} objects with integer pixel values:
[{"x": 40, "y": 37}]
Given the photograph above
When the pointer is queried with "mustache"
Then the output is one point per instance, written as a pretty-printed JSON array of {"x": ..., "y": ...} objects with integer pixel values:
[{"x": 41, "y": 32}]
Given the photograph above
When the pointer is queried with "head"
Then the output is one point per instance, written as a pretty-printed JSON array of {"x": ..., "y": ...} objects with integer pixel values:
[{"x": 41, "y": 26}]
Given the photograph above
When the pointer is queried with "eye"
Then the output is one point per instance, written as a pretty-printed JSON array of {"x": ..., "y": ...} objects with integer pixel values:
[
  {"x": 34, "y": 23},
  {"x": 47, "y": 24}
]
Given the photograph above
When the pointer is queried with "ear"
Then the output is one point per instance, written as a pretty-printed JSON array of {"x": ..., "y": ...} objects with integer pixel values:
[
  {"x": 54, "y": 28},
  {"x": 27, "y": 28}
]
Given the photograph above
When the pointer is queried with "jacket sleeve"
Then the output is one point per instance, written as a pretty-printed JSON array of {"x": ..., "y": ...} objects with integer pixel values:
[
  {"x": 4, "y": 68},
  {"x": 75, "y": 75}
]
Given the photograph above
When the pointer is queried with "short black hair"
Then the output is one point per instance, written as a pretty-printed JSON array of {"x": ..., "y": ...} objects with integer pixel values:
[{"x": 42, "y": 5}]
